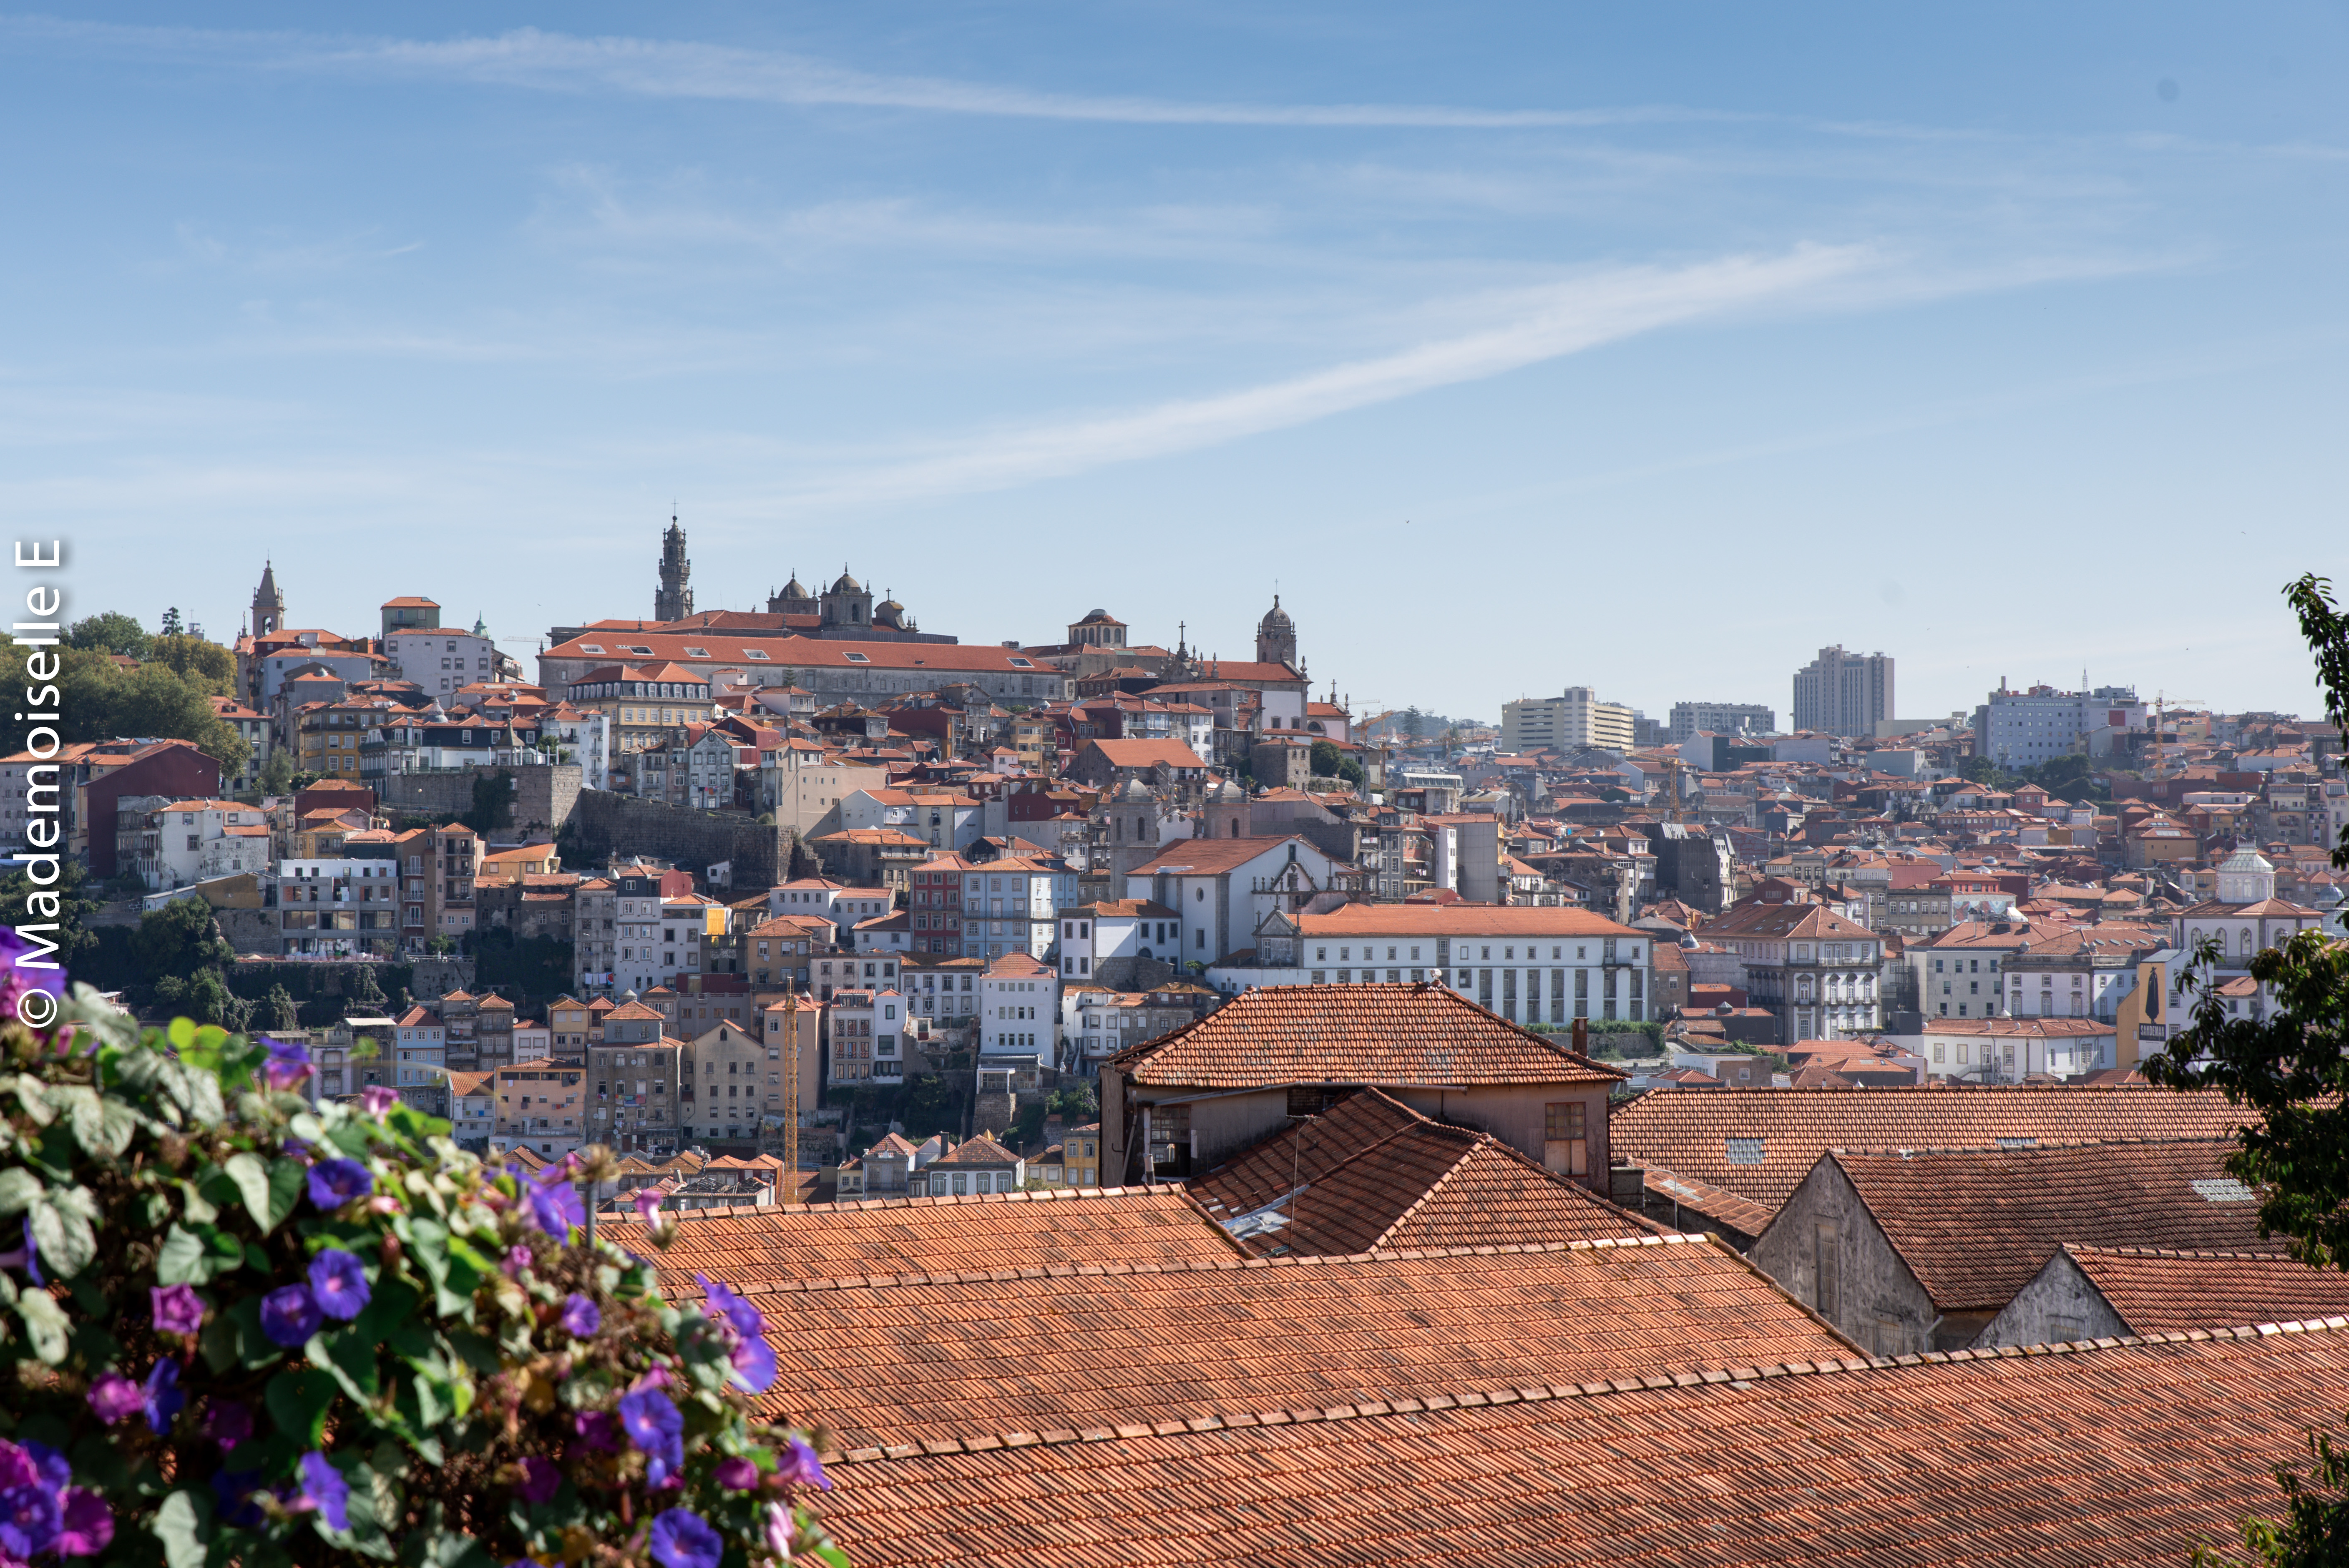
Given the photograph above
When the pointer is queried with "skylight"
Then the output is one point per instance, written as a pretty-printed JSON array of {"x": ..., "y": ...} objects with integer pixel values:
[
  {"x": 635, "y": 648},
  {"x": 1742, "y": 1150},
  {"x": 2018, "y": 1143},
  {"x": 1023, "y": 663},
  {"x": 2224, "y": 1189},
  {"x": 754, "y": 653},
  {"x": 855, "y": 658},
  {"x": 694, "y": 653},
  {"x": 591, "y": 647}
]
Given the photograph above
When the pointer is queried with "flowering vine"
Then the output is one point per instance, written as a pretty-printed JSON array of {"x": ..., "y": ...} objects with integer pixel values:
[{"x": 237, "y": 1328}]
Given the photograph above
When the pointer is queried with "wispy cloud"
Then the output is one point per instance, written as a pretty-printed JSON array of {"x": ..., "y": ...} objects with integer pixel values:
[
  {"x": 529, "y": 57},
  {"x": 1563, "y": 319}
]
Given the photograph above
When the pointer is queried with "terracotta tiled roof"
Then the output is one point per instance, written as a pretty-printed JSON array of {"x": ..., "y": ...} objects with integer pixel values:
[
  {"x": 980, "y": 1150},
  {"x": 2127, "y": 1452},
  {"x": 1106, "y": 1225},
  {"x": 1422, "y": 1034},
  {"x": 967, "y": 1354},
  {"x": 1369, "y": 1173},
  {"x": 1460, "y": 920},
  {"x": 1973, "y": 1225},
  {"x": 1691, "y": 1132},
  {"x": 2156, "y": 1291}
]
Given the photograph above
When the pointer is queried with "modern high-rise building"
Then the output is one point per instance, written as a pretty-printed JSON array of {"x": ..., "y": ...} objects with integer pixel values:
[
  {"x": 1721, "y": 719},
  {"x": 2022, "y": 728},
  {"x": 1844, "y": 693},
  {"x": 1570, "y": 721}
]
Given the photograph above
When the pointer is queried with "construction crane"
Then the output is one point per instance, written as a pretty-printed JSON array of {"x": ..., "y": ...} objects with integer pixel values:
[{"x": 1673, "y": 812}]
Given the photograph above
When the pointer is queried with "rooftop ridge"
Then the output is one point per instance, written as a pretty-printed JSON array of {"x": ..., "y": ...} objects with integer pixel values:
[
  {"x": 1933, "y": 1089},
  {"x": 1413, "y": 1207},
  {"x": 2038, "y": 1146},
  {"x": 1026, "y": 1196},
  {"x": 1741, "y": 1378},
  {"x": 2090, "y": 1249},
  {"x": 1205, "y": 1265}
]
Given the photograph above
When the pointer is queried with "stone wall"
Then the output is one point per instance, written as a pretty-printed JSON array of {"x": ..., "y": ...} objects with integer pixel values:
[
  {"x": 604, "y": 824},
  {"x": 544, "y": 797}
]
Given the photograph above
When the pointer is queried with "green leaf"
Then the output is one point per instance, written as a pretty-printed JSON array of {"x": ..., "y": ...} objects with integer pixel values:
[
  {"x": 350, "y": 1354},
  {"x": 288, "y": 1179},
  {"x": 184, "y": 1523},
  {"x": 46, "y": 1323},
  {"x": 154, "y": 1210},
  {"x": 34, "y": 1096},
  {"x": 182, "y": 1033},
  {"x": 196, "y": 1256},
  {"x": 67, "y": 1243},
  {"x": 219, "y": 1342},
  {"x": 199, "y": 1208},
  {"x": 298, "y": 1403},
  {"x": 85, "y": 1115},
  {"x": 18, "y": 1188},
  {"x": 251, "y": 1178}
]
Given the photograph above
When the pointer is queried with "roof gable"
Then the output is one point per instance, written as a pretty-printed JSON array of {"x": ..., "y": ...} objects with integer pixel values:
[{"x": 1391, "y": 1035}]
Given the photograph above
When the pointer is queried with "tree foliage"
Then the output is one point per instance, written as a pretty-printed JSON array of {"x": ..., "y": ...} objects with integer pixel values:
[
  {"x": 243, "y": 1328},
  {"x": 2291, "y": 1070},
  {"x": 101, "y": 700},
  {"x": 110, "y": 631}
]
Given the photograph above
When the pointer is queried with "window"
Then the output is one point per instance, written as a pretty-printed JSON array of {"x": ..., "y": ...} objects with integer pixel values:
[
  {"x": 1827, "y": 1280},
  {"x": 1566, "y": 1137},
  {"x": 857, "y": 658}
]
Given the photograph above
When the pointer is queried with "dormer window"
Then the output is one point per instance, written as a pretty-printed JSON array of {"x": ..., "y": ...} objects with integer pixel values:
[
  {"x": 696, "y": 653},
  {"x": 591, "y": 647},
  {"x": 855, "y": 658}
]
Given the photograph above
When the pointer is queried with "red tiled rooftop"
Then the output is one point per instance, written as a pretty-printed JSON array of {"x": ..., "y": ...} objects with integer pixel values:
[
  {"x": 1688, "y": 1132},
  {"x": 1974, "y": 1225},
  {"x": 920, "y": 1235},
  {"x": 1368, "y": 1174},
  {"x": 2163, "y": 1291},
  {"x": 1385, "y": 1035},
  {"x": 979, "y": 1351},
  {"x": 2127, "y": 1452}
]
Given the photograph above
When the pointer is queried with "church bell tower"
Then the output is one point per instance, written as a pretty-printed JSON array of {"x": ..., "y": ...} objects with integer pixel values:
[{"x": 674, "y": 600}]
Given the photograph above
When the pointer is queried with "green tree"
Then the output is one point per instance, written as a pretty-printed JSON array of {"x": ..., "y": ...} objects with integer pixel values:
[
  {"x": 103, "y": 701},
  {"x": 2315, "y": 1533},
  {"x": 110, "y": 631},
  {"x": 179, "y": 940},
  {"x": 173, "y": 625},
  {"x": 199, "y": 660},
  {"x": 366, "y": 991},
  {"x": 280, "y": 1011},
  {"x": 493, "y": 799},
  {"x": 2290, "y": 1067},
  {"x": 1329, "y": 762},
  {"x": 65, "y": 901},
  {"x": 277, "y": 773},
  {"x": 1415, "y": 725}
]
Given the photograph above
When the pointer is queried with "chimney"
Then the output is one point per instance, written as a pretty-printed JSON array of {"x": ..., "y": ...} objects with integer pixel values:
[{"x": 1582, "y": 1037}]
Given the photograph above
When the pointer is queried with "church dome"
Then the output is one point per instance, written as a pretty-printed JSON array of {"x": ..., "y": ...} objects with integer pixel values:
[
  {"x": 888, "y": 612},
  {"x": 792, "y": 591},
  {"x": 1275, "y": 616},
  {"x": 2246, "y": 860},
  {"x": 847, "y": 585}
]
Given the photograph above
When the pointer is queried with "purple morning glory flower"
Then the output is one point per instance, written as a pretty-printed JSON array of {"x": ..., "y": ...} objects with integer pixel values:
[
  {"x": 580, "y": 1317},
  {"x": 736, "y": 1473},
  {"x": 647, "y": 1200},
  {"x": 30, "y": 1521},
  {"x": 235, "y": 1488},
  {"x": 375, "y": 1099},
  {"x": 653, "y": 1424},
  {"x": 682, "y": 1540},
  {"x": 178, "y": 1308},
  {"x": 88, "y": 1526},
  {"x": 323, "y": 1485},
  {"x": 338, "y": 1284},
  {"x": 290, "y": 1315},
  {"x": 599, "y": 1431},
  {"x": 114, "y": 1397},
  {"x": 335, "y": 1182},
  {"x": 539, "y": 1480},
  {"x": 165, "y": 1398},
  {"x": 229, "y": 1422},
  {"x": 779, "y": 1530},
  {"x": 800, "y": 1465},
  {"x": 723, "y": 1301},
  {"x": 555, "y": 1209},
  {"x": 49, "y": 1465},
  {"x": 288, "y": 1063},
  {"x": 754, "y": 1365}
]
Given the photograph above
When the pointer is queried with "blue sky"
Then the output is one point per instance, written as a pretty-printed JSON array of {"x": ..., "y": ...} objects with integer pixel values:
[{"x": 1647, "y": 348}]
